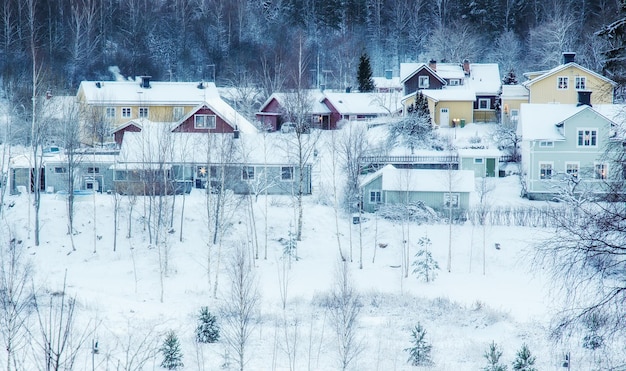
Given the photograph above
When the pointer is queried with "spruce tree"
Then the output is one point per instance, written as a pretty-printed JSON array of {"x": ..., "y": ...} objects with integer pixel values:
[
  {"x": 207, "y": 331},
  {"x": 364, "y": 74},
  {"x": 509, "y": 78},
  {"x": 172, "y": 355},
  {"x": 419, "y": 352},
  {"x": 493, "y": 358},
  {"x": 524, "y": 361}
]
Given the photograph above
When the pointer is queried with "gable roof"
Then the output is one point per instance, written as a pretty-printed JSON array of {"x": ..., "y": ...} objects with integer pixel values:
[
  {"x": 423, "y": 180},
  {"x": 315, "y": 95},
  {"x": 545, "y": 74},
  {"x": 408, "y": 70},
  {"x": 225, "y": 112},
  {"x": 539, "y": 121},
  {"x": 364, "y": 103}
]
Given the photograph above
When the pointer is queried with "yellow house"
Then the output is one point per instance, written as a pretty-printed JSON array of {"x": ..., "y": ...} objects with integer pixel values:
[
  {"x": 106, "y": 105},
  {"x": 512, "y": 98},
  {"x": 447, "y": 107},
  {"x": 562, "y": 84}
]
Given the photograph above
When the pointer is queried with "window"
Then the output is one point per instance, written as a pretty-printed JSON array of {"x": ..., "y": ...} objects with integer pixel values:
[
  {"x": 120, "y": 175},
  {"x": 600, "y": 171},
  {"x": 451, "y": 200},
  {"x": 454, "y": 82},
  {"x": 478, "y": 160},
  {"x": 562, "y": 82},
  {"x": 143, "y": 112},
  {"x": 581, "y": 83},
  {"x": 546, "y": 143},
  {"x": 424, "y": 82},
  {"x": 204, "y": 122},
  {"x": 587, "y": 138},
  {"x": 126, "y": 112},
  {"x": 178, "y": 112},
  {"x": 484, "y": 103},
  {"x": 213, "y": 171},
  {"x": 571, "y": 169},
  {"x": 286, "y": 173},
  {"x": 247, "y": 173},
  {"x": 514, "y": 115},
  {"x": 93, "y": 170},
  {"x": 60, "y": 170},
  {"x": 375, "y": 197},
  {"x": 545, "y": 170},
  {"x": 110, "y": 112}
]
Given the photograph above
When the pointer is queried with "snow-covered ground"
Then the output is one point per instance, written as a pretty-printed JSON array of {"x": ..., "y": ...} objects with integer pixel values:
[{"x": 463, "y": 311}]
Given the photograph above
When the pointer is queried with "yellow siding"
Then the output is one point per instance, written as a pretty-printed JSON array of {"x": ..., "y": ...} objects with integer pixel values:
[
  {"x": 458, "y": 110},
  {"x": 545, "y": 91}
]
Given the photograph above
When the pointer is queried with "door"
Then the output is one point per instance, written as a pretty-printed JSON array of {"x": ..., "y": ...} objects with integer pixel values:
[
  {"x": 490, "y": 171},
  {"x": 444, "y": 117}
]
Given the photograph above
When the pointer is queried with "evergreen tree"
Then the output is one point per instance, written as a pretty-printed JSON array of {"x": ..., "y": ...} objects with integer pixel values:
[
  {"x": 416, "y": 129},
  {"x": 419, "y": 352},
  {"x": 424, "y": 264},
  {"x": 364, "y": 74},
  {"x": 615, "y": 54},
  {"x": 493, "y": 358},
  {"x": 509, "y": 78},
  {"x": 172, "y": 355},
  {"x": 524, "y": 361},
  {"x": 207, "y": 331}
]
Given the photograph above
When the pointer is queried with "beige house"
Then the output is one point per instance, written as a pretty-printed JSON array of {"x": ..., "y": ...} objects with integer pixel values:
[
  {"x": 448, "y": 107},
  {"x": 562, "y": 84},
  {"x": 512, "y": 98}
]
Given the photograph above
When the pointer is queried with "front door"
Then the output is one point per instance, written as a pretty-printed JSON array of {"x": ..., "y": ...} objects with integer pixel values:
[
  {"x": 490, "y": 171},
  {"x": 444, "y": 117}
]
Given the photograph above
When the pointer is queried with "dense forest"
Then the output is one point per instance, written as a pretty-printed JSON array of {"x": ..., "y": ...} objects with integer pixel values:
[{"x": 263, "y": 43}]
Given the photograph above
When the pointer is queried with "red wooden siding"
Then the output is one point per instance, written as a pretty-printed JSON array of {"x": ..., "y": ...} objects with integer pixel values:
[{"x": 187, "y": 126}]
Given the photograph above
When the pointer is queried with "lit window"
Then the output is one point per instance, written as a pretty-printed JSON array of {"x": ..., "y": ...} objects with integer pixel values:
[
  {"x": 143, "y": 112},
  {"x": 126, "y": 112},
  {"x": 581, "y": 82},
  {"x": 110, "y": 112},
  {"x": 545, "y": 170},
  {"x": 424, "y": 82},
  {"x": 204, "y": 122},
  {"x": 562, "y": 82},
  {"x": 286, "y": 173},
  {"x": 451, "y": 200},
  {"x": 600, "y": 171},
  {"x": 247, "y": 173},
  {"x": 375, "y": 197},
  {"x": 572, "y": 169},
  {"x": 587, "y": 138}
]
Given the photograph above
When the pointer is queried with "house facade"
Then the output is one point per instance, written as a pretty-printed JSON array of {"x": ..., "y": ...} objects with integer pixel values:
[
  {"x": 565, "y": 149},
  {"x": 437, "y": 189}
]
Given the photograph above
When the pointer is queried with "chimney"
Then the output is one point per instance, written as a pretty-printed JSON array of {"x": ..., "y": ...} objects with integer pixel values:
[
  {"x": 466, "y": 67},
  {"x": 569, "y": 57},
  {"x": 584, "y": 98},
  {"x": 145, "y": 82},
  {"x": 98, "y": 84},
  {"x": 201, "y": 85},
  {"x": 433, "y": 65}
]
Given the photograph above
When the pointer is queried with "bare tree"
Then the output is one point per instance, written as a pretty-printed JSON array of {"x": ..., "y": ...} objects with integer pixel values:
[
  {"x": 483, "y": 189},
  {"x": 344, "y": 306},
  {"x": 240, "y": 304},
  {"x": 15, "y": 299},
  {"x": 138, "y": 345}
]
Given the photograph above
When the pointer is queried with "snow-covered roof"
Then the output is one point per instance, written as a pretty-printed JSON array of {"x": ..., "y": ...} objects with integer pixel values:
[
  {"x": 562, "y": 67},
  {"x": 315, "y": 96},
  {"x": 383, "y": 82},
  {"x": 159, "y": 93},
  {"x": 456, "y": 93},
  {"x": 364, "y": 103},
  {"x": 538, "y": 121},
  {"x": 423, "y": 180},
  {"x": 484, "y": 78},
  {"x": 517, "y": 91}
]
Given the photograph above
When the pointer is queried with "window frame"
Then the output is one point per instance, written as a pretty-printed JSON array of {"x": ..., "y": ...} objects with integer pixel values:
[
  {"x": 479, "y": 161},
  {"x": 593, "y": 138},
  {"x": 549, "y": 167},
  {"x": 93, "y": 170},
  {"x": 60, "y": 170},
  {"x": 178, "y": 112},
  {"x": 127, "y": 112},
  {"x": 580, "y": 82},
  {"x": 110, "y": 112},
  {"x": 597, "y": 175},
  {"x": 247, "y": 173},
  {"x": 562, "y": 82},
  {"x": 284, "y": 170},
  {"x": 204, "y": 125},
  {"x": 423, "y": 82},
  {"x": 575, "y": 174},
  {"x": 451, "y": 200},
  {"x": 375, "y": 197},
  {"x": 487, "y": 102},
  {"x": 546, "y": 143},
  {"x": 144, "y": 112}
]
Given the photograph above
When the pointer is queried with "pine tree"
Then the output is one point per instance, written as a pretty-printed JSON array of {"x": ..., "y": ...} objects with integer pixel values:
[
  {"x": 364, "y": 74},
  {"x": 419, "y": 353},
  {"x": 524, "y": 361},
  {"x": 207, "y": 331},
  {"x": 424, "y": 264},
  {"x": 509, "y": 78},
  {"x": 493, "y": 358},
  {"x": 172, "y": 355}
]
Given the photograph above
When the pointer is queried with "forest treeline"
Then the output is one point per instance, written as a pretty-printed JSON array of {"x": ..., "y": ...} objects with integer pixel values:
[{"x": 263, "y": 42}]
